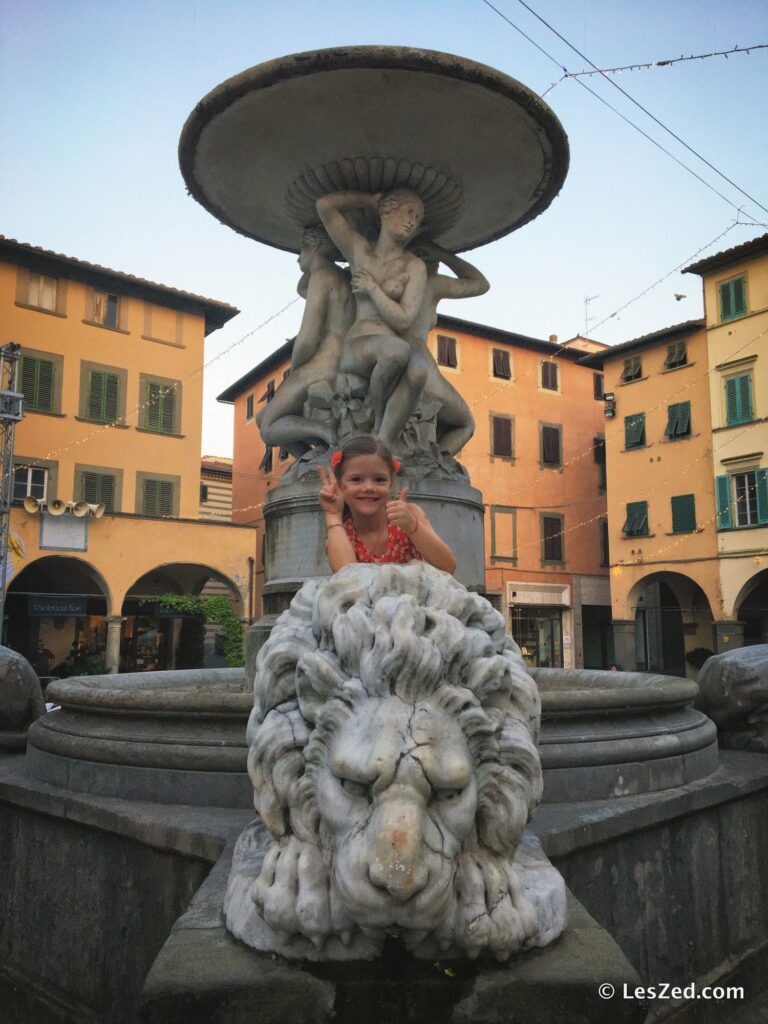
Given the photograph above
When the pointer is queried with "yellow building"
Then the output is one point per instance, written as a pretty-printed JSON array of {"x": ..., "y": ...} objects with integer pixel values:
[
  {"x": 735, "y": 286},
  {"x": 687, "y": 458},
  {"x": 111, "y": 371},
  {"x": 536, "y": 455}
]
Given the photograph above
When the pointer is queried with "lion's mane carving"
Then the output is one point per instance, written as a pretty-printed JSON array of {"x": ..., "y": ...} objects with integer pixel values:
[{"x": 394, "y": 765}]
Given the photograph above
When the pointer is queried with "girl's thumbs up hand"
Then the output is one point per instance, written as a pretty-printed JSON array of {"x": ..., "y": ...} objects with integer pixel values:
[{"x": 400, "y": 513}]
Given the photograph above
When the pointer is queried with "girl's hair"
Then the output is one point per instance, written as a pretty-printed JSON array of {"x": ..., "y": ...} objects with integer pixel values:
[{"x": 365, "y": 444}]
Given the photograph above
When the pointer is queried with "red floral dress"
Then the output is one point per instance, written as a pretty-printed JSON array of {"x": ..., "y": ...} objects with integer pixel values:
[{"x": 400, "y": 548}]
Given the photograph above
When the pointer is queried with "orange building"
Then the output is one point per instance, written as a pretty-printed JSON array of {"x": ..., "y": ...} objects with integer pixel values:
[
  {"x": 536, "y": 455},
  {"x": 110, "y": 368}
]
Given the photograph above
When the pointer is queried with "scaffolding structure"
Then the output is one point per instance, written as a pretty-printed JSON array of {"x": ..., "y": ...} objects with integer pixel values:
[{"x": 11, "y": 411}]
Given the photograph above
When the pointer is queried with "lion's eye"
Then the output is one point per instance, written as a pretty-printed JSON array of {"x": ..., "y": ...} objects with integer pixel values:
[
  {"x": 355, "y": 788},
  {"x": 448, "y": 796}
]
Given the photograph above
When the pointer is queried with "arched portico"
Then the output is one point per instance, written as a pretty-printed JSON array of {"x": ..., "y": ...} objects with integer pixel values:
[
  {"x": 63, "y": 602},
  {"x": 149, "y": 631},
  {"x": 667, "y": 615},
  {"x": 751, "y": 608}
]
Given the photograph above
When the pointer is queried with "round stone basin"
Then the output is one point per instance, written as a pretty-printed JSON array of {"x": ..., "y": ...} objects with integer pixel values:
[
  {"x": 179, "y": 736},
  {"x": 614, "y": 734},
  {"x": 168, "y": 737}
]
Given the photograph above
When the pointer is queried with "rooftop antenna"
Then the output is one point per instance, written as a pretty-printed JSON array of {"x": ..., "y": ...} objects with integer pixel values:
[{"x": 587, "y": 317}]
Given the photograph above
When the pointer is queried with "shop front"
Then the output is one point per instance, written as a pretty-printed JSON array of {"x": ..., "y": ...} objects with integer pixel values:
[{"x": 540, "y": 617}]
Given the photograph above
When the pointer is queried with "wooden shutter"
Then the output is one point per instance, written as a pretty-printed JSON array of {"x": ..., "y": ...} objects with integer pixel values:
[
  {"x": 683, "y": 419},
  {"x": 598, "y": 449},
  {"x": 167, "y": 408},
  {"x": 152, "y": 406},
  {"x": 266, "y": 462},
  {"x": 598, "y": 385},
  {"x": 549, "y": 375},
  {"x": 761, "y": 487},
  {"x": 99, "y": 488},
  {"x": 446, "y": 351},
  {"x": 676, "y": 355},
  {"x": 111, "y": 394},
  {"x": 634, "y": 430},
  {"x": 165, "y": 498},
  {"x": 95, "y": 395},
  {"x": 501, "y": 366},
  {"x": 550, "y": 446},
  {"x": 636, "y": 523},
  {"x": 605, "y": 555},
  {"x": 671, "y": 428},
  {"x": 249, "y": 407},
  {"x": 37, "y": 379},
  {"x": 738, "y": 399},
  {"x": 739, "y": 292},
  {"x": 502, "y": 436},
  {"x": 683, "y": 513},
  {"x": 552, "y": 529},
  {"x": 150, "y": 497},
  {"x": 724, "y": 515}
]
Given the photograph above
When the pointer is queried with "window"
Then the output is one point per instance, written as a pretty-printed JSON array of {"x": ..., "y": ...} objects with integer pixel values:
[
  {"x": 733, "y": 298},
  {"x": 503, "y": 533},
  {"x": 552, "y": 538},
  {"x": 37, "y": 383},
  {"x": 29, "y": 482},
  {"x": 551, "y": 454},
  {"x": 106, "y": 309},
  {"x": 598, "y": 385},
  {"x": 678, "y": 420},
  {"x": 636, "y": 523},
  {"x": 738, "y": 399},
  {"x": 677, "y": 355},
  {"x": 269, "y": 394},
  {"x": 605, "y": 554},
  {"x": 160, "y": 406},
  {"x": 42, "y": 291},
  {"x": 158, "y": 497},
  {"x": 249, "y": 407},
  {"x": 549, "y": 375},
  {"x": 598, "y": 450},
  {"x": 103, "y": 399},
  {"x": 446, "y": 351},
  {"x": 634, "y": 430},
  {"x": 501, "y": 365},
  {"x": 683, "y": 513},
  {"x": 633, "y": 369},
  {"x": 267, "y": 461},
  {"x": 742, "y": 499},
  {"x": 203, "y": 492},
  {"x": 97, "y": 489},
  {"x": 502, "y": 444},
  {"x": 284, "y": 454}
]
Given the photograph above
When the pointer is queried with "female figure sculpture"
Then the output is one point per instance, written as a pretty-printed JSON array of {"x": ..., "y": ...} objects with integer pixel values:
[
  {"x": 328, "y": 315},
  {"x": 389, "y": 285}
]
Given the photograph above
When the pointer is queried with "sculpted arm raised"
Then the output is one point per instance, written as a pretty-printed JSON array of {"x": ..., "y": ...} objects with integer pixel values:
[
  {"x": 469, "y": 281},
  {"x": 331, "y": 210}
]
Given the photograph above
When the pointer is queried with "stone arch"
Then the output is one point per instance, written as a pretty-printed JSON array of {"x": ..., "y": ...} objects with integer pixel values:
[
  {"x": 751, "y": 608},
  {"x": 673, "y": 615},
  {"x": 62, "y": 601}
]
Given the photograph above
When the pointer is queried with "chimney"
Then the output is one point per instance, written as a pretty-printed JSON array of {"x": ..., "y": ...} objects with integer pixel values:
[{"x": 553, "y": 339}]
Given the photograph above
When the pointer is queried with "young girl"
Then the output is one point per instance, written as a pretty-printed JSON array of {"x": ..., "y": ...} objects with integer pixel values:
[{"x": 363, "y": 523}]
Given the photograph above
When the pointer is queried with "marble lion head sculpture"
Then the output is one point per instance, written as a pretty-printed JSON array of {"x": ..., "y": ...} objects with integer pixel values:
[{"x": 394, "y": 764}]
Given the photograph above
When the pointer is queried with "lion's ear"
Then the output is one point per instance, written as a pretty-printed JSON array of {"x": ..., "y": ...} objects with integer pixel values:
[{"x": 317, "y": 679}]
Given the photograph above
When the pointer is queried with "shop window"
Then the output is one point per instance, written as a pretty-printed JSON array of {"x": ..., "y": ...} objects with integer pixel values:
[
  {"x": 539, "y": 633},
  {"x": 633, "y": 369},
  {"x": 683, "y": 513},
  {"x": 30, "y": 482},
  {"x": 446, "y": 351},
  {"x": 160, "y": 400},
  {"x": 677, "y": 355},
  {"x": 549, "y": 375},
  {"x": 502, "y": 437},
  {"x": 598, "y": 386},
  {"x": 552, "y": 538},
  {"x": 733, "y": 298},
  {"x": 501, "y": 364},
  {"x": 636, "y": 523},
  {"x": 678, "y": 421},
  {"x": 38, "y": 378},
  {"x": 634, "y": 430},
  {"x": 551, "y": 445},
  {"x": 738, "y": 399}
]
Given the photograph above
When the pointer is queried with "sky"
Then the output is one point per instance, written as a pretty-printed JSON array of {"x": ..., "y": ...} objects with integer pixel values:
[{"x": 94, "y": 93}]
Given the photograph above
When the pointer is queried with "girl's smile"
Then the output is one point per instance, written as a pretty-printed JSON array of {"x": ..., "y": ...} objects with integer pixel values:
[{"x": 365, "y": 484}]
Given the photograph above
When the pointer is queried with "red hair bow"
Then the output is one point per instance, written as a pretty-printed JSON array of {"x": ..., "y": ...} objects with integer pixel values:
[
  {"x": 336, "y": 458},
  {"x": 396, "y": 463}
]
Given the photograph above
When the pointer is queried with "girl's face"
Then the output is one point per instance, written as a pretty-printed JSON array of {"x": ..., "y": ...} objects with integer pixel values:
[{"x": 365, "y": 483}]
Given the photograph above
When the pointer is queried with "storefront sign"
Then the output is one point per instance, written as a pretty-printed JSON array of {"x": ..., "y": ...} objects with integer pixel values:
[{"x": 56, "y": 605}]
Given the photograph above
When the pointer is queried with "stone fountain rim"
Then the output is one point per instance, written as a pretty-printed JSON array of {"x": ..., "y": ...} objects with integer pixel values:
[
  {"x": 400, "y": 58},
  {"x": 173, "y": 691}
]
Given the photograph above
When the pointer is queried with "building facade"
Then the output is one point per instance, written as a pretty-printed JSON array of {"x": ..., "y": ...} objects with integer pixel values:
[
  {"x": 536, "y": 456},
  {"x": 687, "y": 468},
  {"x": 110, "y": 368}
]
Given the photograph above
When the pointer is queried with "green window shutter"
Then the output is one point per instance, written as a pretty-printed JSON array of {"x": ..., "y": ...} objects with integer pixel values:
[
  {"x": 98, "y": 489},
  {"x": 723, "y": 487},
  {"x": 150, "y": 497},
  {"x": 636, "y": 523},
  {"x": 37, "y": 379},
  {"x": 761, "y": 486},
  {"x": 165, "y": 498},
  {"x": 95, "y": 395},
  {"x": 168, "y": 410},
  {"x": 731, "y": 401},
  {"x": 744, "y": 386},
  {"x": 739, "y": 292},
  {"x": 152, "y": 406},
  {"x": 111, "y": 395},
  {"x": 726, "y": 305},
  {"x": 684, "y": 419},
  {"x": 90, "y": 488},
  {"x": 683, "y": 513},
  {"x": 107, "y": 492},
  {"x": 634, "y": 430},
  {"x": 671, "y": 428}
]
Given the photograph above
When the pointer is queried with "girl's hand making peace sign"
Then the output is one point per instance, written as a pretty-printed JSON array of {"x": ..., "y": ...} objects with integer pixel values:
[{"x": 330, "y": 496}]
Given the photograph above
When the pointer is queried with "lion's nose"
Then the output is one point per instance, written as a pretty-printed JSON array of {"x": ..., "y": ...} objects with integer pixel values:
[
  {"x": 396, "y": 862},
  {"x": 401, "y": 880}
]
